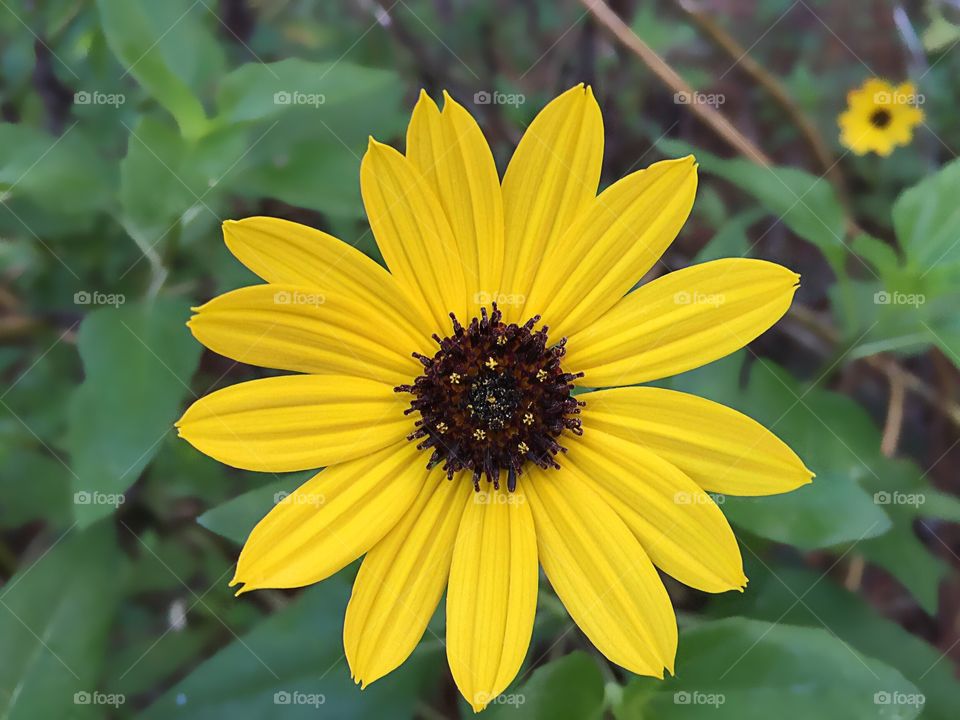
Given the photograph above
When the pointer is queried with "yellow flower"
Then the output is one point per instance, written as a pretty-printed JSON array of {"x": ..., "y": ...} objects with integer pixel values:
[
  {"x": 437, "y": 398},
  {"x": 879, "y": 117}
]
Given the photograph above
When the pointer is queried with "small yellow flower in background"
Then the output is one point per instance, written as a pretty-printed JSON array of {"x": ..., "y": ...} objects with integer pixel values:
[
  {"x": 880, "y": 117},
  {"x": 438, "y": 395}
]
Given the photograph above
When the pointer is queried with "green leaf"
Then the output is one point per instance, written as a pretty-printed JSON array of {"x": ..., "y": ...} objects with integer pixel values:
[
  {"x": 260, "y": 91},
  {"x": 63, "y": 175},
  {"x": 317, "y": 174},
  {"x": 54, "y": 619},
  {"x": 235, "y": 518},
  {"x": 805, "y": 203},
  {"x": 154, "y": 191},
  {"x": 926, "y": 217},
  {"x": 754, "y": 670},
  {"x": 901, "y": 489},
  {"x": 731, "y": 239},
  {"x": 901, "y": 553},
  {"x": 824, "y": 604},
  {"x": 829, "y": 431},
  {"x": 138, "y": 360},
  {"x": 147, "y": 42},
  {"x": 33, "y": 485},
  {"x": 568, "y": 688},
  {"x": 292, "y": 665}
]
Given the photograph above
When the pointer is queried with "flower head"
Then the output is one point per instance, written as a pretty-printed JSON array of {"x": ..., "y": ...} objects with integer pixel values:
[
  {"x": 440, "y": 397},
  {"x": 879, "y": 117}
]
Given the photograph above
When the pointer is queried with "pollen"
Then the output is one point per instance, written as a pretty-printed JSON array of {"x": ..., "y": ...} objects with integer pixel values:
[{"x": 480, "y": 411}]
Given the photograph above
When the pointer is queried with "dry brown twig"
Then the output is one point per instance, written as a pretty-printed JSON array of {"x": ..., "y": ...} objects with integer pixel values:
[
  {"x": 715, "y": 120},
  {"x": 742, "y": 60}
]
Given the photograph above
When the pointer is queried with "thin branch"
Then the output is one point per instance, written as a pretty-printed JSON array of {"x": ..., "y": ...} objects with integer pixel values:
[
  {"x": 715, "y": 120},
  {"x": 883, "y": 364},
  {"x": 894, "y": 422},
  {"x": 728, "y": 44}
]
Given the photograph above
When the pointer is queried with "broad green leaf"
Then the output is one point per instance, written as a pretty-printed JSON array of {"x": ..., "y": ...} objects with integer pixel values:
[
  {"x": 318, "y": 174},
  {"x": 901, "y": 553},
  {"x": 904, "y": 494},
  {"x": 33, "y": 485},
  {"x": 235, "y": 518},
  {"x": 832, "y": 434},
  {"x": 836, "y": 438},
  {"x": 259, "y": 91},
  {"x": 154, "y": 189},
  {"x": 805, "y": 203},
  {"x": 138, "y": 359},
  {"x": 140, "y": 39},
  {"x": 292, "y": 666},
  {"x": 55, "y": 614},
  {"x": 926, "y": 218},
  {"x": 63, "y": 175},
  {"x": 773, "y": 596},
  {"x": 753, "y": 670},
  {"x": 731, "y": 239},
  {"x": 570, "y": 688}
]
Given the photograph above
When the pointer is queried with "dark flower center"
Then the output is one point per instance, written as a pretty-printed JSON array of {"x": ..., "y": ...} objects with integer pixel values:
[
  {"x": 492, "y": 398},
  {"x": 880, "y": 118}
]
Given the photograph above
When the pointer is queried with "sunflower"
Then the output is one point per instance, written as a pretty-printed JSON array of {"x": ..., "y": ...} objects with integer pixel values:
[
  {"x": 880, "y": 117},
  {"x": 441, "y": 398}
]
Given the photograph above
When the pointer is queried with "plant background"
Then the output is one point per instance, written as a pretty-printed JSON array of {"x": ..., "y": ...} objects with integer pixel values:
[{"x": 132, "y": 128}]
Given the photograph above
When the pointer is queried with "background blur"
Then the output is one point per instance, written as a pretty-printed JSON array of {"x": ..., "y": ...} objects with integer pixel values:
[{"x": 132, "y": 128}]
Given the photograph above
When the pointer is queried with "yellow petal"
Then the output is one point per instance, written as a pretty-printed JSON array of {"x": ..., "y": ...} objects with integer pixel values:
[
  {"x": 289, "y": 253},
  {"x": 492, "y": 596},
  {"x": 552, "y": 178},
  {"x": 676, "y": 522},
  {"x": 294, "y": 328},
  {"x": 451, "y": 153},
  {"x": 612, "y": 245},
  {"x": 413, "y": 233},
  {"x": 332, "y": 519},
  {"x": 719, "y": 448},
  {"x": 682, "y": 320},
  {"x": 601, "y": 573},
  {"x": 402, "y": 579},
  {"x": 296, "y": 422}
]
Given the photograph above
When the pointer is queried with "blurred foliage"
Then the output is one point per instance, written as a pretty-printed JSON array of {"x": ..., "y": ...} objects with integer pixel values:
[{"x": 130, "y": 129}]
